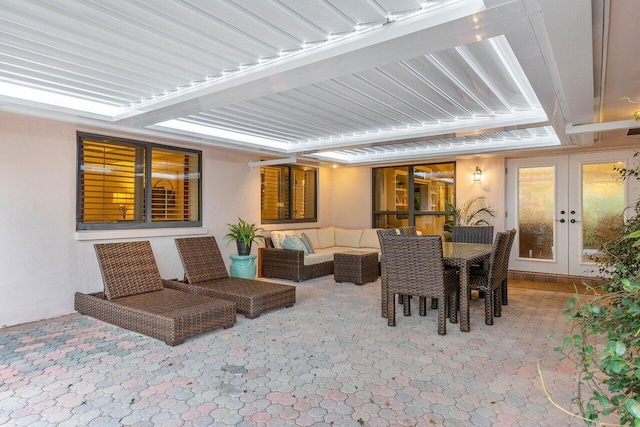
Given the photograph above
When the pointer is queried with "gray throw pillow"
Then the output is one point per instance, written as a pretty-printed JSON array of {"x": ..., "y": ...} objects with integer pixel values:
[
  {"x": 305, "y": 240},
  {"x": 293, "y": 243}
]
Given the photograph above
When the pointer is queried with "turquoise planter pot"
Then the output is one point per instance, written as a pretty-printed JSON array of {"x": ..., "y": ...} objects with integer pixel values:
[{"x": 243, "y": 266}]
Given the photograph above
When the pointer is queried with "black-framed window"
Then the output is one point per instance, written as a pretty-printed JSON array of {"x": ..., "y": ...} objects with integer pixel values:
[
  {"x": 288, "y": 194},
  {"x": 413, "y": 195},
  {"x": 118, "y": 179}
]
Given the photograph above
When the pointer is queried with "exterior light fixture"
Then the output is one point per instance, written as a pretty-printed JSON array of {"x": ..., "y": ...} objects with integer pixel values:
[{"x": 477, "y": 174}]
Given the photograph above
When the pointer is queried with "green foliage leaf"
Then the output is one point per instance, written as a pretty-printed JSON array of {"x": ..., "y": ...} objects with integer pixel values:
[{"x": 633, "y": 407}]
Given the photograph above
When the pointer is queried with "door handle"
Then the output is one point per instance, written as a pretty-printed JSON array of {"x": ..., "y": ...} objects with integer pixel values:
[
  {"x": 562, "y": 220},
  {"x": 573, "y": 221}
]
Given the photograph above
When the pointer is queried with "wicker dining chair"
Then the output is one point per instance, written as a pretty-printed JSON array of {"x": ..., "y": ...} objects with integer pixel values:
[
  {"x": 505, "y": 269},
  {"x": 383, "y": 270},
  {"x": 406, "y": 301},
  {"x": 472, "y": 234},
  {"x": 408, "y": 231},
  {"x": 414, "y": 266},
  {"x": 489, "y": 281}
]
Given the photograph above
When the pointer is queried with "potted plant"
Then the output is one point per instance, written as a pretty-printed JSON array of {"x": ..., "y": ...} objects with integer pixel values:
[
  {"x": 244, "y": 234},
  {"x": 471, "y": 212}
]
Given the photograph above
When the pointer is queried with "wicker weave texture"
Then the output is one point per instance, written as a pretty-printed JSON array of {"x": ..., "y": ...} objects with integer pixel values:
[
  {"x": 505, "y": 271},
  {"x": 355, "y": 267},
  {"x": 408, "y": 231},
  {"x": 491, "y": 282},
  {"x": 201, "y": 259},
  {"x": 252, "y": 297},
  {"x": 472, "y": 234},
  {"x": 414, "y": 266},
  {"x": 287, "y": 264},
  {"x": 127, "y": 269},
  {"x": 383, "y": 270}
]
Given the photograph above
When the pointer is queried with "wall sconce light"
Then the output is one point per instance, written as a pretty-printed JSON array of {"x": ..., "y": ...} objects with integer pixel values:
[{"x": 477, "y": 174}]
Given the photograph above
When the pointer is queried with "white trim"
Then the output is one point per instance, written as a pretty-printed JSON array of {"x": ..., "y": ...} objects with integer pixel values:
[{"x": 138, "y": 233}]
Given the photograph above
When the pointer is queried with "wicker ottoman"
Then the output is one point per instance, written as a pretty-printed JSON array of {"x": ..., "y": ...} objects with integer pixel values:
[{"x": 358, "y": 267}]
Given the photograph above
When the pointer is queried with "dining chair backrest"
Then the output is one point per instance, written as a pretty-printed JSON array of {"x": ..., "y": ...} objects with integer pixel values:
[
  {"x": 408, "y": 231},
  {"x": 497, "y": 259},
  {"x": 472, "y": 234},
  {"x": 385, "y": 232},
  {"x": 507, "y": 252},
  {"x": 383, "y": 270},
  {"x": 414, "y": 265}
]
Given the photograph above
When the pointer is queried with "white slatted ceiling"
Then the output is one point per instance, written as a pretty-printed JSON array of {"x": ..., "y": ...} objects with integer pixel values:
[
  {"x": 436, "y": 88},
  {"x": 508, "y": 139},
  {"x": 125, "y": 52}
]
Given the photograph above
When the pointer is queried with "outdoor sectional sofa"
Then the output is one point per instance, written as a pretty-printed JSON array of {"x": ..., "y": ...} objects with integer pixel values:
[{"x": 295, "y": 265}]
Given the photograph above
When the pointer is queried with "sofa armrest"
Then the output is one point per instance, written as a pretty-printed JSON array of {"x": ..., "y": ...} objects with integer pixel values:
[
  {"x": 282, "y": 263},
  {"x": 282, "y": 255}
]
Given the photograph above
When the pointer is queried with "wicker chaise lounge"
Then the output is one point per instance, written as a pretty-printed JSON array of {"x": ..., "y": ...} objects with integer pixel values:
[
  {"x": 206, "y": 274},
  {"x": 134, "y": 298}
]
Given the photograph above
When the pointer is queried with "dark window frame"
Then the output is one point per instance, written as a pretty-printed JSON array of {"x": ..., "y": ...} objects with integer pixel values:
[
  {"x": 290, "y": 199},
  {"x": 411, "y": 213},
  {"x": 133, "y": 225}
]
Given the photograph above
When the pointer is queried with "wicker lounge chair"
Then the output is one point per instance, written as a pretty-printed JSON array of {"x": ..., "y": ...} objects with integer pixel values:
[
  {"x": 134, "y": 298},
  {"x": 206, "y": 274}
]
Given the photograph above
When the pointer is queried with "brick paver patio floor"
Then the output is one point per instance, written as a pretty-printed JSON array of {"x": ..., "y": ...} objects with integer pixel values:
[{"x": 329, "y": 360}]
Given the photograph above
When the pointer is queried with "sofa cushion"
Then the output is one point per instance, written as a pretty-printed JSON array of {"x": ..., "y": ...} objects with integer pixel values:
[
  {"x": 307, "y": 243},
  {"x": 312, "y": 235},
  {"x": 294, "y": 243},
  {"x": 369, "y": 238},
  {"x": 326, "y": 237},
  {"x": 349, "y": 238},
  {"x": 321, "y": 255}
]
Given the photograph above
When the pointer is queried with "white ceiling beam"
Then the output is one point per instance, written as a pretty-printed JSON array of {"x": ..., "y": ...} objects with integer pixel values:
[
  {"x": 273, "y": 162},
  {"x": 530, "y": 119}
]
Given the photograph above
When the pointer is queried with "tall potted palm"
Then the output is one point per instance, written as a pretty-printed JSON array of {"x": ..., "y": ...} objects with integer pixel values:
[
  {"x": 244, "y": 234},
  {"x": 472, "y": 212}
]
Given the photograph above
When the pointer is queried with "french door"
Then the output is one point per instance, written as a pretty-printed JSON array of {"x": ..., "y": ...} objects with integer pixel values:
[{"x": 562, "y": 207}]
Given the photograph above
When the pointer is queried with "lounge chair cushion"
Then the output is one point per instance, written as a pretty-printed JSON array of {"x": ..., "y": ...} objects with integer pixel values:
[{"x": 128, "y": 269}]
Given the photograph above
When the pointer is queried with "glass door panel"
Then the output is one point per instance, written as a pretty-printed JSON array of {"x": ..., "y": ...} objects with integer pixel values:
[
  {"x": 563, "y": 207},
  {"x": 602, "y": 205},
  {"x": 536, "y": 211}
]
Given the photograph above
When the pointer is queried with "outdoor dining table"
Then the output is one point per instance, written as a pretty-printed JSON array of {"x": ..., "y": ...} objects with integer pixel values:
[{"x": 463, "y": 256}]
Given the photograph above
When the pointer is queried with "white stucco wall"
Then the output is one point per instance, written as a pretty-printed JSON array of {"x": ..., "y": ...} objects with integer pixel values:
[
  {"x": 492, "y": 185},
  {"x": 42, "y": 264},
  {"x": 351, "y": 203}
]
